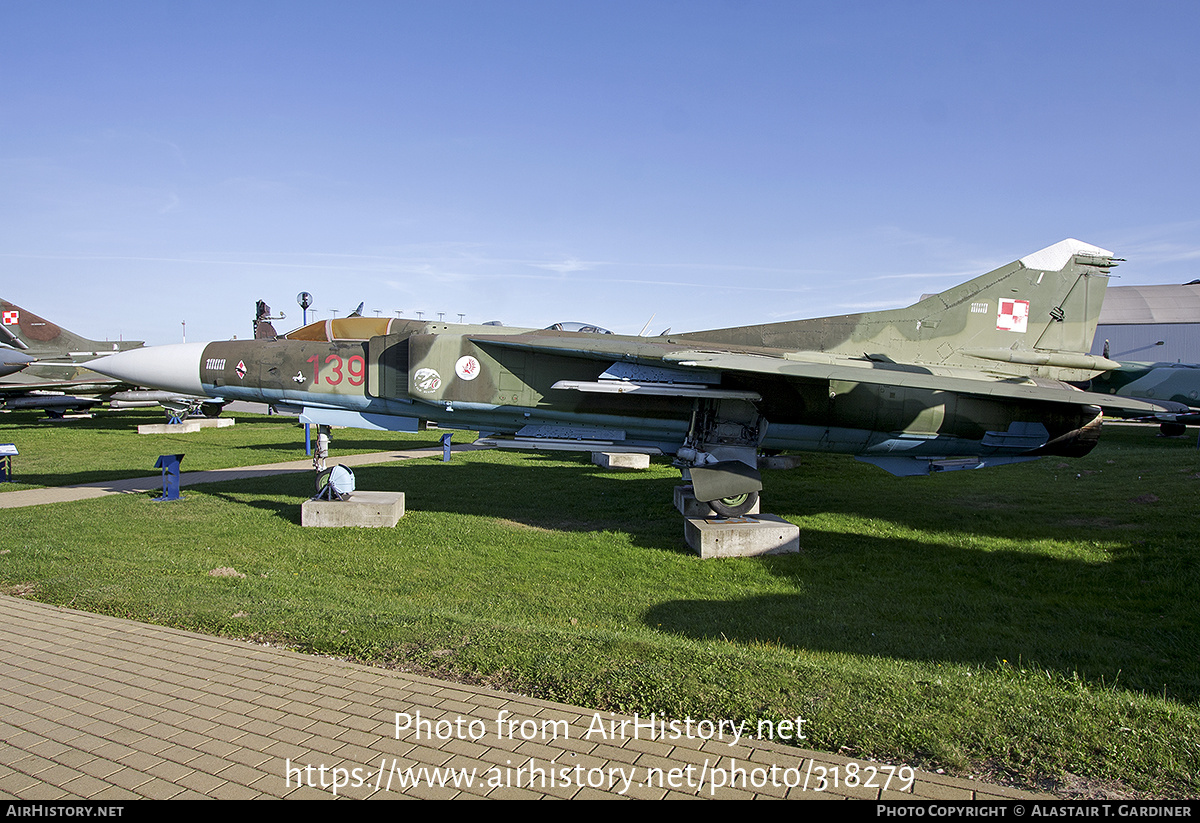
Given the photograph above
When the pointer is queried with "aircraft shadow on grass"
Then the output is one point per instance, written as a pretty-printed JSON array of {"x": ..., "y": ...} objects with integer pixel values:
[
  {"x": 573, "y": 497},
  {"x": 908, "y": 600}
]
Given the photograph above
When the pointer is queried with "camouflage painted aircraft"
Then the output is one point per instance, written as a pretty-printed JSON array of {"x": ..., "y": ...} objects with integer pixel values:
[
  {"x": 971, "y": 377},
  {"x": 1175, "y": 385},
  {"x": 56, "y": 377}
]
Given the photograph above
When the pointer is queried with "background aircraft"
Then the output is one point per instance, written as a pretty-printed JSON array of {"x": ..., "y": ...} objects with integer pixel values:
[
  {"x": 1162, "y": 383},
  {"x": 56, "y": 377},
  {"x": 971, "y": 377},
  {"x": 57, "y": 381}
]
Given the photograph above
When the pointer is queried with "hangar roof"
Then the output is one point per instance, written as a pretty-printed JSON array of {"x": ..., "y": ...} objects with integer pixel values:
[{"x": 1151, "y": 304}]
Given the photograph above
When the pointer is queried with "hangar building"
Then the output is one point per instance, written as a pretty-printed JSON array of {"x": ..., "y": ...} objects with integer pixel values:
[{"x": 1150, "y": 324}]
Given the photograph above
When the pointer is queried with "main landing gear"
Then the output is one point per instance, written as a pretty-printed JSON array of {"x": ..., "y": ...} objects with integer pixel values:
[{"x": 720, "y": 455}]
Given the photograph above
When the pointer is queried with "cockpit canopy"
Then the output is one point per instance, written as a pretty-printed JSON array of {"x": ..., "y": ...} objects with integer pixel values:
[
  {"x": 344, "y": 328},
  {"x": 586, "y": 328}
]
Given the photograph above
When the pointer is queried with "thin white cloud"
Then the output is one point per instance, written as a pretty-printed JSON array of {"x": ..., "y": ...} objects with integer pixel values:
[
  {"x": 569, "y": 265},
  {"x": 447, "y": 269}
]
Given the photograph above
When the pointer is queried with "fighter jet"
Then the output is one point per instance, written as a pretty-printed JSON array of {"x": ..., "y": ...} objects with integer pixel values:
[
  {"x": 55, "y": 379},
  {"x": 974, "y": 376},
  {"x": 1174, "y": 385},
  {"x": 56, "y": 376}
]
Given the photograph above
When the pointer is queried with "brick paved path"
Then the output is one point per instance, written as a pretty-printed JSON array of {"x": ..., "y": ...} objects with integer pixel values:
[{"x": 98, "y": 708}]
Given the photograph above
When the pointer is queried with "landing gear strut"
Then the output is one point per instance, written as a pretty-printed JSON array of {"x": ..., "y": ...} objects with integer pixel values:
[{"x": 720, "y": 455}]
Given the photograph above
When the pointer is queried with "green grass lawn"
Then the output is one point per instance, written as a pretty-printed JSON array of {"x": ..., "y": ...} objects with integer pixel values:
[
  {"x": 1036, "y": 623},
  {"x": 107, "y": 445}
]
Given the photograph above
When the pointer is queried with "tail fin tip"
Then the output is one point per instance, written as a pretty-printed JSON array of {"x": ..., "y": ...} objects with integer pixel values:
[{"x": 1056, "y": 257}]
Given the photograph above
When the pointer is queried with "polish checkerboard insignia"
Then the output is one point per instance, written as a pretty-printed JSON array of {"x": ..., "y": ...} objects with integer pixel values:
[{"x": 1013, "y": 315}]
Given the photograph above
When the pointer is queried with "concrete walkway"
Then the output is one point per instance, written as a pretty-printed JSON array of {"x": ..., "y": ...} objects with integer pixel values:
[
  {"x": 85, "y": 491},
  {"x": 103, "y": 709}
]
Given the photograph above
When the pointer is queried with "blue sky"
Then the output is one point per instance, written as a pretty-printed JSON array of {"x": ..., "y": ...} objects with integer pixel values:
[{"x": 707, "y": 163}]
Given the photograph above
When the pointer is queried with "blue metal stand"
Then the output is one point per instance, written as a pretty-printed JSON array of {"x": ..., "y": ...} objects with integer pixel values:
[
  {"x": 7, "y": 451},
  {"x": 169, "y": 463},
  {"x": 446, "y": 447}
]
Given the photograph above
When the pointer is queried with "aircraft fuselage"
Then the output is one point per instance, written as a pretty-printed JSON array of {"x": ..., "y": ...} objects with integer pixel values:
[{"x": 397, "y": 380}]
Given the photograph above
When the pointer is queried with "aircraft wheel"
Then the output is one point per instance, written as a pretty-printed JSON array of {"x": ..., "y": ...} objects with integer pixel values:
[
  {"x": 1172, "y": 429},
  {"x": 323, "y": 479},
  {"x": 734, "y": 506}
]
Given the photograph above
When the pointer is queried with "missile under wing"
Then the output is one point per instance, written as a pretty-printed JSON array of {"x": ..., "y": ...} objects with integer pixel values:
[{"x": 974, "y": 376}]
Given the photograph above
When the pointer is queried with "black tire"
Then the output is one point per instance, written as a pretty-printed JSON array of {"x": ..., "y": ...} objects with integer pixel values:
[
  {"x": 735, "y": 506},
  {"x": 1172, "y": 429},
  {"x": 323, "y": 479}
]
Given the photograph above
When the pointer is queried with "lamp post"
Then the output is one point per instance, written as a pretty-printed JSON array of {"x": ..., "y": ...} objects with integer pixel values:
[{"x": 305, "y": 300}]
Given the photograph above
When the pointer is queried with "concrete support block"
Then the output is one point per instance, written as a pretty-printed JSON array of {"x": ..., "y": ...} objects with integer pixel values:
[
  {"x": 689, "y": 506},
  {"x": 369, "y": 509},
  {"x": 741, "y": 536},
  {"x": 621, "y": 460},
  {"x": 186, "y": 427}
]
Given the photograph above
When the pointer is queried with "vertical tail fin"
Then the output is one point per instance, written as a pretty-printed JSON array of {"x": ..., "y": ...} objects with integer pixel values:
[
  {"x": 1049, "y": 300},
  {"x": 22, "y": 329},
  {"x": 1037, "y": 315}
]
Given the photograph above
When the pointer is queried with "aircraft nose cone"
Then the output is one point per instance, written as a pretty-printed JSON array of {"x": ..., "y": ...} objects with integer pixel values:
[{"x": 170, "y": 368}]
